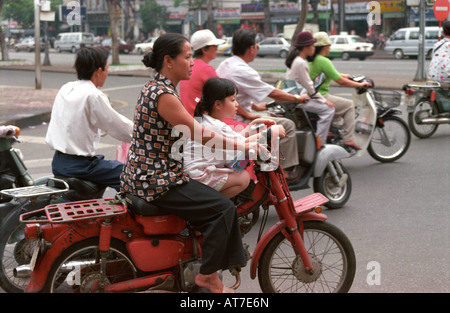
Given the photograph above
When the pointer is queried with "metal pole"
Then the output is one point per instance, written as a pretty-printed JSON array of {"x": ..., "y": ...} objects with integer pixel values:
[
  {"x": 37, "y": 45},
  {"x": 420, "y": 73},
  {"x": 341, "y": 15}
]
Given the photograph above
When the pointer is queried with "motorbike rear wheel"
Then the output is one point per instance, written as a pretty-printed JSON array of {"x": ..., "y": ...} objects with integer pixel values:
[
  {"x": 330, "y": 251},
  {"x": 14, "y": 251},
  {"x": 423, "y": 109},
  {"x": 77, "y": 269},
  {"x": 390, "y": 143}
]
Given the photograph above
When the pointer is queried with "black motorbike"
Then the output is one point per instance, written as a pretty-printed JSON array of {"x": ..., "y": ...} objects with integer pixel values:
[{"x": 20, "y": 193}]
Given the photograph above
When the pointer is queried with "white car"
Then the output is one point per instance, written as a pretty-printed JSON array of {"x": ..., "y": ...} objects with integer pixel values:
[
  {"x": 274, "y": 46},
  {"x": 350, "y": 46},
  {"x": 225, "y": 48},
  {"x": 145, "y": 46}
]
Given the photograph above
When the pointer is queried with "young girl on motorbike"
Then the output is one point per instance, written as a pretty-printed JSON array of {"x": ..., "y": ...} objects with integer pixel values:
[
  {"x": 298, "y": 70},
  {"x": 154, "y": 172},
  {"x": 207, "y": 165}
]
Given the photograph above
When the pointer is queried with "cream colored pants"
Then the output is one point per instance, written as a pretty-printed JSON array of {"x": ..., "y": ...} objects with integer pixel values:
[{"x": 345, "y": 109}]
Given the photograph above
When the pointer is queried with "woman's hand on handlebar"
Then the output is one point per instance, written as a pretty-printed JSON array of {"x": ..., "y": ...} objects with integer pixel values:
[{"x": 366, "y": 84}]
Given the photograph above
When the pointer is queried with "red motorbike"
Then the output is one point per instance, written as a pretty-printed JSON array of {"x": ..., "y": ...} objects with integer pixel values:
[{"x": 128, "y": 245}]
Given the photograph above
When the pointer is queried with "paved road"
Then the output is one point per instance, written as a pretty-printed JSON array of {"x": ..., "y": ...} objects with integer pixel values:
[{"x": 397, "y": 215}]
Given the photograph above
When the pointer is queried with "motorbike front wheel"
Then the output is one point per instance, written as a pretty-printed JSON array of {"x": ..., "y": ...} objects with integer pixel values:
[
  {"x": 337, "y": 193},
  {"x": 281, "y": 270},
  {"x": 423, "y": 109},
  {"x": 77, "y": 269},
  {"x": 390, "y": 142}
]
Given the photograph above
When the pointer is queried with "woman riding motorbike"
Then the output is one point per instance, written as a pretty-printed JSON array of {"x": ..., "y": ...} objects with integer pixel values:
[
  {"x": 344, "y": 108},
  {"x": 154, "y": 168}
]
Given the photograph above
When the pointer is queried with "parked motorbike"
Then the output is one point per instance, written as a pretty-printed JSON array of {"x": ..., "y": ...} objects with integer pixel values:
[
  {"x": 428, "y": 107},
  {"x": 128, "y": 244},
  {"x": 20, "y": 193},
  {"x": 378, "y": 129}
]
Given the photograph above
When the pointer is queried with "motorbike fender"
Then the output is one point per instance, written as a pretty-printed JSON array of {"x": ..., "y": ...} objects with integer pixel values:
[
  {"x": 326, "y": 154},
  {"x": 8, "y": 211},
  {"x": 272, "y": 232},
  {"x": 262, "y": 243}
]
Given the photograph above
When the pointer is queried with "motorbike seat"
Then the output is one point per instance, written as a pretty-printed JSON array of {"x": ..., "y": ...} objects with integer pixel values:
[
  {"x": 82, "y": 189},
  {"x": 141, "y": 207}
]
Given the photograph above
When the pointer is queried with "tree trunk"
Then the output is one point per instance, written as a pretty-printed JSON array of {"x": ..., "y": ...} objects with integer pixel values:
[
  {"x": 4, "y": 48},
  {"x": 114, "y": 42},
  {"x": 301, "y": 20}
]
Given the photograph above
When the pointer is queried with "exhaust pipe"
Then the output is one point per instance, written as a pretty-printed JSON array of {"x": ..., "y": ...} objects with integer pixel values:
[
  {"x": 436, "y": 120},
  {"x": 24, "y": 271}
]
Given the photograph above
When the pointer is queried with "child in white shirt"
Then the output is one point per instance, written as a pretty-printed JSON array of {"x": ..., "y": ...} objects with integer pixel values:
[{"x": 208, "y": 165}]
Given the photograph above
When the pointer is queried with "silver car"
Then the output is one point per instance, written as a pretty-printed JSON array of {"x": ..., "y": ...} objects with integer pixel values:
[{"x": 274, "y": 46}]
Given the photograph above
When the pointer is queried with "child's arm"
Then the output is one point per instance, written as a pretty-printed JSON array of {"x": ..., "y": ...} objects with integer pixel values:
[
  {"x": 277, "y": 131},
  {"x": 268, "y": 122}
]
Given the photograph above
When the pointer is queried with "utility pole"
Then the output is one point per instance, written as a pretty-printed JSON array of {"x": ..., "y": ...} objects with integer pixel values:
[
  {"x": 37, "y": 44},
  {"x": 420, "y": 73}
]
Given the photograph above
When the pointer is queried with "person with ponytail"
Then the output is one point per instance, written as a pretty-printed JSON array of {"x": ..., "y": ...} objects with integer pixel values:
[
  {"x": 213, "y": 166},
  {"x": 154, "y": 168},
  {"x": 298, "y": 70}
]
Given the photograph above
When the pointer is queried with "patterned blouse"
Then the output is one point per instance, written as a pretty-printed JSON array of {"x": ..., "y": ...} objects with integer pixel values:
[{"x": 151, "y": 170}]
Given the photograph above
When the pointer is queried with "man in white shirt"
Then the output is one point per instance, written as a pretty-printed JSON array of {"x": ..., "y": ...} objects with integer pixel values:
[
  {"x": 81, "y": 114},
  {"x": 252, "y": 88}
]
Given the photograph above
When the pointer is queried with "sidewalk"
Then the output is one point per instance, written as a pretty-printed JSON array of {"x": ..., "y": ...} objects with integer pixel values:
[{"x": 22, "y": 106}]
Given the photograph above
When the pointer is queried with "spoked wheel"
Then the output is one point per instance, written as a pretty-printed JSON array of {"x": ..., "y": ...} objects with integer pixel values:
[
  {"x": 14, "y": 251},
  {"x": 331, "y": 254},
  {"x": 390, "y": 143},
  {"x": 423, "y": 109},
  {"x": 337, "y": 193},
  {"x": 77, "y": 269}
]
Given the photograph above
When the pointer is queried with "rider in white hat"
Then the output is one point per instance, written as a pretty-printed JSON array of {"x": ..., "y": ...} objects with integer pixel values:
[{"x": 204, "y": 44}]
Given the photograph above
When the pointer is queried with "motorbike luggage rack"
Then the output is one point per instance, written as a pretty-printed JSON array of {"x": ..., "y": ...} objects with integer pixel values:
[
  {"x": 74, "y": 211},
  {"x": 37, "y": 190},
  {"x": 309, "y": 202}
]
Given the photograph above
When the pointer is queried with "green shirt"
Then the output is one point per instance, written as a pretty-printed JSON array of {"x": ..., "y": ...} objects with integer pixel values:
[{"x": 322, "y": 64}]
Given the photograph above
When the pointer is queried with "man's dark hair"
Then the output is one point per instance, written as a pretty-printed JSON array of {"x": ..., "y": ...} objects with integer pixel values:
[
  {"x": 89, "y": 60},
  {"x": 446, "y": 28},
  {"x": 243, "y": 39}
]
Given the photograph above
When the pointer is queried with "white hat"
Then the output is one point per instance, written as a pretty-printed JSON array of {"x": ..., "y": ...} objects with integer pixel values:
[{"x": 203, "y": 38}]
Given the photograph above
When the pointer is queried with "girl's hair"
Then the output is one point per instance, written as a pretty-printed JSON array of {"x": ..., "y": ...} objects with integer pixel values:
[
  {"x": 168, "y": 44},
  {"x": 89, "y": 60},
  {"x": 214, "y": 89},
  {"x": 292, "y": 55}
]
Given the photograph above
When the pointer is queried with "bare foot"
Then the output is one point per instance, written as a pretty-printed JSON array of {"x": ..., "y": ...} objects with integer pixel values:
[{"x": 213, "y": 283}]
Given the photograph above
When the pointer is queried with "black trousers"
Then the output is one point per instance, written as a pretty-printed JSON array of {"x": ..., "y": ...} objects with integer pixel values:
[
  {"x": 215, "y": 216},
  {"x": 95, "y": 169}
]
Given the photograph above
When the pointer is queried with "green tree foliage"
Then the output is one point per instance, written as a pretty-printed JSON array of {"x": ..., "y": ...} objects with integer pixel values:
[
  {"x": 153, "y": 16},
  {"x": 21, "y": 11}
]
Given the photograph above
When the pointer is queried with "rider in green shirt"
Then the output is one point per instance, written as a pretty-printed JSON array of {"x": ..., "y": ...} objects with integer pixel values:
[{"x": 344, "y": 108}]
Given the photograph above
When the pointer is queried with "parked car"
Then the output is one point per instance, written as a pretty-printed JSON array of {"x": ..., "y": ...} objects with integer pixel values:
[
  {"x": 350, "y": 46},
  {"x": 405, "y": 42},
  {"x": 225, "y": 48},
  {"x": 123, "y": 46},
  {"x": 27, "y": 44},
  {"x": 145, "y": 46},
  {"x": 274, "y": 46},
  {"x": 73, "y": 41}
]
